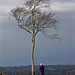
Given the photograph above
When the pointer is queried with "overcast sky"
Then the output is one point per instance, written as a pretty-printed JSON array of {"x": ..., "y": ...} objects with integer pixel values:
[{"x": 15, "y": 43}]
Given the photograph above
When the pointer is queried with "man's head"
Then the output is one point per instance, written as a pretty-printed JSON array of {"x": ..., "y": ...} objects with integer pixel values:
[{"x": 41, "y": 64}]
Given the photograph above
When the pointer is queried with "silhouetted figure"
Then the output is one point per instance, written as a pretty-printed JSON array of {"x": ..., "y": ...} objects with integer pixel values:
[{"x": 41, "y": 69}]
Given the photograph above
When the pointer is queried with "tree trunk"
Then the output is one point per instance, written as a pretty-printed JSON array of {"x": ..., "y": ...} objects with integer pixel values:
[{"x": 32, "y": 55}]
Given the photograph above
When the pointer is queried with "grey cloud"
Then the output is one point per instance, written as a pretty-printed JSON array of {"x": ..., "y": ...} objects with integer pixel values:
[
  {"x": 63, "y": 1},
  {"x": 11, "y": 2},
  {"x": 65, "y": 6}
]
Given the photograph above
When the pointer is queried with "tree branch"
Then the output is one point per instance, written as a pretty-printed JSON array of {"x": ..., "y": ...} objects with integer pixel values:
[{"x": 25, "y": 29}]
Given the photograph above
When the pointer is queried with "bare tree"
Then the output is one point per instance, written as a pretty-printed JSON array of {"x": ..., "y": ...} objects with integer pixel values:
[{"x": 35, "y": 16}]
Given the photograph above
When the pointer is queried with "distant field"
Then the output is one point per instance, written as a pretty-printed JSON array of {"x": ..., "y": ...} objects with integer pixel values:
[{"x": 49, "y": 70}]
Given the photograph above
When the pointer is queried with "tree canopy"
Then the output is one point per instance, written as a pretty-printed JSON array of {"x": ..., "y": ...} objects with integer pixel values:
[{"x": 35, "y": 15}]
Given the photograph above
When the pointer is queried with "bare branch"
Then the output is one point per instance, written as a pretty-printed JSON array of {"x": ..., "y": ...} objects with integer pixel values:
[
  {"x": 25, "y": 29},
  {"x": 31, "y": 18},
  {"x": 53, "y": 36},
  {"x": 44, "y": 34}
]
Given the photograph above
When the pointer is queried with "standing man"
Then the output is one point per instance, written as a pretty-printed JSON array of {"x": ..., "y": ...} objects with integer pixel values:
[{"x": 42, "y": 69}]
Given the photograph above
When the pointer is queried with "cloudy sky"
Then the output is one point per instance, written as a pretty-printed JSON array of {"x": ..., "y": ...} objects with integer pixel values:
[{"x": 15, "y": 43}]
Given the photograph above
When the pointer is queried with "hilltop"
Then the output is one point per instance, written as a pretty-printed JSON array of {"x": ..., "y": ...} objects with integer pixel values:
[{"x": 49, "y": 70}]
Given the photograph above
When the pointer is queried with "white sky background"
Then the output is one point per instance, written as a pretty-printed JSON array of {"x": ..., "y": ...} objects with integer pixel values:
[{"x": 15, "y": 44}]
